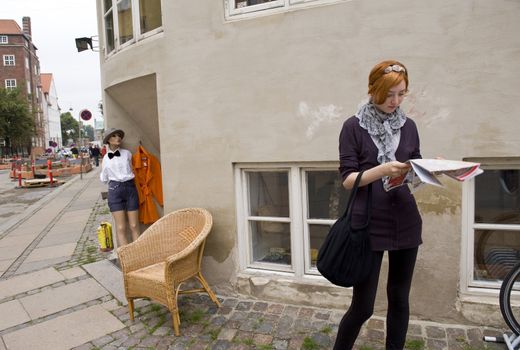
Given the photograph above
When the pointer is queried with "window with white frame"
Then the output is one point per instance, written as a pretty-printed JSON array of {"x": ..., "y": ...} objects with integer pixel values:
[
  {"x": 127, "y": 21},
  {"x": 248, "y": 8},
  {"x": 124, "y": 21},
  {"x": 9, "y": 60},
  {"x": 491, "y": 210},
  {"x": 150, "y": 17},
  {"x": 3, "y": 39},
  {"x": 10, "y": 83},
  {"x": 285, "y": 212}
]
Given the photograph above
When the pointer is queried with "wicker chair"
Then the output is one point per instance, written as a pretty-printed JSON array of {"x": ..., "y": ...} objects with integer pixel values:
[{"x": 168, "y": 253}]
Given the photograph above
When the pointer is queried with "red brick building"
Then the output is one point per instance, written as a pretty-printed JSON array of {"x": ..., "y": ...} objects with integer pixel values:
[{"x": 20, "y": 67}]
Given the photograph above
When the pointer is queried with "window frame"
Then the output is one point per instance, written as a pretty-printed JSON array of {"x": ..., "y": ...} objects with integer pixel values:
[
  {"x": 136, "y": 26},
  {"x": 116, "y": 24},
  {"x": 4, "y": 39},
  {"x": 300, "y": 267},
  {"x": 233, "y": 11},
  {"x": 306, "y": 222},
  {"x": 8, "y": 83},
  {"x": 157, "y": 30},
  {"x": 272, "y": 7},
  {"x": 9, "y": 62},
  {"x": 469, "y": 226}
]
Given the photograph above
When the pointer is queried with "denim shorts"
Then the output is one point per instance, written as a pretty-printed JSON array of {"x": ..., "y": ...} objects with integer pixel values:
[{"x": 122, "y": 196}]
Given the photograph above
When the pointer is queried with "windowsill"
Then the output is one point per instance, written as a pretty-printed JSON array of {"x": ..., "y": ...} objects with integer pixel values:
[
  {"x": 285, "y": 287},
  {"x": 142, "y": 41},
  {"x": 480, "y": 296},
  {"x": 285, "y": 276}
]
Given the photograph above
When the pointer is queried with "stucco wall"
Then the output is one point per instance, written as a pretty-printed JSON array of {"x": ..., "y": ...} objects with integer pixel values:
[{"x": 277, "y": 88}]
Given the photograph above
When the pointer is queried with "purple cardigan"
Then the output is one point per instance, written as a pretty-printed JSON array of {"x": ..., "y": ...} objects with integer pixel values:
[{"x": 395, "y": 222}]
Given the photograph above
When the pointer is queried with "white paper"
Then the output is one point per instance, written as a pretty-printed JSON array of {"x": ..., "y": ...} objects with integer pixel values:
[{"x": 425, "y": 171}]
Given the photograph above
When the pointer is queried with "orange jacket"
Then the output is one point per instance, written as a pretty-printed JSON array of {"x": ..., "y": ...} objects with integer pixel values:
[{"x": 148, "y": 181}]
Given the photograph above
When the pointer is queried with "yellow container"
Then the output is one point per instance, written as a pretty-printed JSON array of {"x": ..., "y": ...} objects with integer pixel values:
[{"x": 104, "y": 234}]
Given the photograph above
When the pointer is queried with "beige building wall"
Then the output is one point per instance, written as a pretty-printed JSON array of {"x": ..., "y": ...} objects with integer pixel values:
[{"x": 208, "y": 93}]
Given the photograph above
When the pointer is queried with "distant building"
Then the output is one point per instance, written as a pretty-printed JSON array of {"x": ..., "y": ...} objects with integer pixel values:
[
  {"x": 99, "y": 127},
  {"x": 20, "y": 67},
  {"x": 51, "y": 111}
]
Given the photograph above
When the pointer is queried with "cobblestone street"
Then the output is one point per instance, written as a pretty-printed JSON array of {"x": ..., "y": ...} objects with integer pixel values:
[{"x": 240, "y": 323}]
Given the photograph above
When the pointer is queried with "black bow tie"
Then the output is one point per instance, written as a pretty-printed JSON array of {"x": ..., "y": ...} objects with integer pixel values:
[{"x": 115, "y": 154}]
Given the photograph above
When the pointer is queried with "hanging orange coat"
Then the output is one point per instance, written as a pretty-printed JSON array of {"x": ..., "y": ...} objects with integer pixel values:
[{"x": 148, "y": 181}]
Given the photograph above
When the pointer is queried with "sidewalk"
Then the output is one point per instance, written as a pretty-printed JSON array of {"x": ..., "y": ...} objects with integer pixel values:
[{"x": 58, "y": 291}]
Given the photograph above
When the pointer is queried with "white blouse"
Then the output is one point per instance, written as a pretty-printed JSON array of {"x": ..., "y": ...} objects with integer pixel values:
[{"x": 117, "y": 168}]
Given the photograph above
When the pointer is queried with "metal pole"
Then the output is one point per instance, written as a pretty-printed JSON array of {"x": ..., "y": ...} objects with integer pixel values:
[{"x": 79, "y": 150}]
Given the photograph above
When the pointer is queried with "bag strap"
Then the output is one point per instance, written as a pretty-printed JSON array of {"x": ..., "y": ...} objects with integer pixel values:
[{"x": 353, "y": 193}]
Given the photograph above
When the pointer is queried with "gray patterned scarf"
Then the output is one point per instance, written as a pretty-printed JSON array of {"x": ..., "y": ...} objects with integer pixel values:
[{"x": 383, "y": 128}]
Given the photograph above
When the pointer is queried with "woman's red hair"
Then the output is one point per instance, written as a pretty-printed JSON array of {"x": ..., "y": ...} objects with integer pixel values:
[{"x": 379, "y": 82}]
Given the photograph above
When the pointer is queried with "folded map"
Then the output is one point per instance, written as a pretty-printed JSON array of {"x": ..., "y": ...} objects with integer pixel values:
[{"x": 425, "y": 171}]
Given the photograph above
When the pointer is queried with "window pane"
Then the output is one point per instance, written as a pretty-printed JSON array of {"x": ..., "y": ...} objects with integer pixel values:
[
  {"x": 326, "y": 195},
  {"x": 497, "y": 197},
  {"x": 271, "y": 242},
  {"x": 268, "y": 193},
  {"x": 150, "y": 12},
  {"x": 124, "y": 17},
  {"x": 496, "y": 252},
  {"x": 107, "y": 5},
  {"x": 109, "y": 32},
  {"x": 244, "y": 3},
  {"x": 317, "y": 236}
]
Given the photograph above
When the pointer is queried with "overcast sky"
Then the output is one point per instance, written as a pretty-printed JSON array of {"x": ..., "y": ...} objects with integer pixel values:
[{"x": 55, "y": 24}]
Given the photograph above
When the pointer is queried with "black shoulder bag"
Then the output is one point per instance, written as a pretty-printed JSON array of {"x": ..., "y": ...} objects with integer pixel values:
[{"x": 345, "y": 257}]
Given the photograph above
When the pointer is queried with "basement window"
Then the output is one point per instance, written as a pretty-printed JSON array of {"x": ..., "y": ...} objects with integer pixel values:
[
  {"x": 285, "y": 212},
  {"x": 491, "y": 222}
]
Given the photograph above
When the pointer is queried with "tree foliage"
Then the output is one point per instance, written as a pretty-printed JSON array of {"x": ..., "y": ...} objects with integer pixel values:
[
  {"x": 69, "y": 127},
  {"x": 88, "y": 132},
  {"x": 16, "y": 120}
]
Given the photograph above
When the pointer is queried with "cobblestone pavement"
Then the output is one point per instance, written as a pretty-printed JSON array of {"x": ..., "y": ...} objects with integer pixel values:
[
  {"x": 240, "y": 323},
  {"x": 251, "y": 324}
]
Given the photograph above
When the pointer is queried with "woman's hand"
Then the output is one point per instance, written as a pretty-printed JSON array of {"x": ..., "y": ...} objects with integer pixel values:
[
  {"x": 390, "y": 169},
  {"x": 395, "y": 168}
]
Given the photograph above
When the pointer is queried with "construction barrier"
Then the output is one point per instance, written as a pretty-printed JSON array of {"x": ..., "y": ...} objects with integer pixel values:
[{"x": 49, "y": 170}]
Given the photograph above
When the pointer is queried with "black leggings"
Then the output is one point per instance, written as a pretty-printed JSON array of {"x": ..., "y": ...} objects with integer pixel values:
[{"x": 400, "y": 272}]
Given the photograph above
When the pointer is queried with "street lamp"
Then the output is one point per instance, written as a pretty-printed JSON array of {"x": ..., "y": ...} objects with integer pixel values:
[{"x": 87, "y": 43}]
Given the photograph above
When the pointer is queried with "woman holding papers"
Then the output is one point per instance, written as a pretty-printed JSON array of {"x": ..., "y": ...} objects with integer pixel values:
[{"x": 379, "y": 139}]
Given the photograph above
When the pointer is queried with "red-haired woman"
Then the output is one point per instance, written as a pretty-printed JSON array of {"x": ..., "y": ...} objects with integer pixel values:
[{"x": 379, "y": 139}]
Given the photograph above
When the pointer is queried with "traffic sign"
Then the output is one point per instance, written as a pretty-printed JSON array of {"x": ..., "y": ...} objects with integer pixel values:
[{"x": 85, "y": 114}]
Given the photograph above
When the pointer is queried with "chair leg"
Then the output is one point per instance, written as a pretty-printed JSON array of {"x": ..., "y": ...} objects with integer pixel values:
[
  {"x": 172, "y": 296},
  {"x": 176, "y": 322},
  {"x": 205, "y": 285},
  {"x": 131, "y": 308}
]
